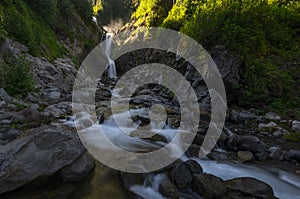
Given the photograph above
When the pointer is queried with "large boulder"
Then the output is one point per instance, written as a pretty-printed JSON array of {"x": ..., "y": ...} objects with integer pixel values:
[
  {"x": 249, "y": 187},
  {"x": 208, "y": 186},
  {"x": 40, "y": 152},
  {"x": 182, "y": 174}
]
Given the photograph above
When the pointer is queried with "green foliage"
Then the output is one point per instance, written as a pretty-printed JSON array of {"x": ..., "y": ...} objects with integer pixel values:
[
  {"x": 152, "y": 12},
  {"x": 84, "y": 8},
  {"x": 15, "y": 76},
  {"x": 264, "y": 34},
  {"x": 46, "y": 9},
  {"x": 113, "y": 10},
  {"x": 23, "y": 26}
]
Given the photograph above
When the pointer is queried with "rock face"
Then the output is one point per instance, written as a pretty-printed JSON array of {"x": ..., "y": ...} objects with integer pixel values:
[{"x": 42, "y": 152}]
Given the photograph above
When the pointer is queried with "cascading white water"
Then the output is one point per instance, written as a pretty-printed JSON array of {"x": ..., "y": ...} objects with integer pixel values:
[
  {"x": 285, "y": 185},
  {"x": 112, "y": 72}
]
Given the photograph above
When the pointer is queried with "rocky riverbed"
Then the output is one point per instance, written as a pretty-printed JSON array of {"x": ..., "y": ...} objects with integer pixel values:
[{"x": 40, "y": 148}]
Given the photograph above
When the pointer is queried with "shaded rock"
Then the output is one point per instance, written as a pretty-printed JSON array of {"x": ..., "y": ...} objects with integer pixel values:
[
  {"x": 261, "y": 156},
  {"x": 248, "y": 143},
  {"x": 168, "y": 190},
  {"x": 245, "y": 156},
  {"x": 245, "y": 115},
  {"x": 78, "y": 170},
  {"x": 250, "y": 187},
  {"x": 275, "y": 153},
  {"x": 194, "y": 166},
  {"x": 42, "y": 152},
  {"x": 10, "y": 135},
  {"x": 227, "y": 63},
  {"x": 181, "y": 175},
  {"x": 272, "y": 116},
  {"x": 208, "y": 186},
  {"x": 293, "y": 154},
  {"x": 130, "y": 179},
  {"x": 32, "y": 115}
]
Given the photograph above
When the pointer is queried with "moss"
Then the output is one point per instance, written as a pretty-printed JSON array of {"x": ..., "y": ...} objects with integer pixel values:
[{"x": 294, "y": 136}]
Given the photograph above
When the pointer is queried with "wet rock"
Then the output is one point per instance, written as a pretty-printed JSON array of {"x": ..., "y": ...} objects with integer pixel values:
[
  {"x": 194, "y": 166},
  {"x": 41, "y": 152},
  {"x": 208, "y": 186},
  {"x": 168, "y": 190},
  {"x": 181, "y": 176},
  {"x": 182, "y": 173},
  {"x": 218, "y": 156},
  {"x": 249, "y": 187},
  {"x": 296, "y": 126},
  {"x": 78, "y": 170},
  {"x": 245, "y": 156},
  {"x": 272, "y": 116}
]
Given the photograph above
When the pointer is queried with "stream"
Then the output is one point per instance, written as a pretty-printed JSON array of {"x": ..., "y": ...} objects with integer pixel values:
[{"x": 285, "y": 185}]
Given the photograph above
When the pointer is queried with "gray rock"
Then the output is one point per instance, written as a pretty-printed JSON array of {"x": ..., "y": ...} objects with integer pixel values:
[
  {"x": 32, "y": 115},
  {"x": 293, "y": 154},
  {"x": 249, "y": 187},
  {"x": 50, "y": 68},
  {"x": 60, "y": 110},
  {"x": 10, "y": 135},
  {"x": 79, "y": 169},
  {"x": 296, "y": 125},
  {"x": 270, "y": 127},
  {"x": 245, "y": 115},
  {"x": 41, "y": 152},
  {"x": 272, "y": 116},
  {"x": 248, "y": 143},
  {"x": 4, "y": 96},
  {"x": 208, "y": 186},
  {"x": 227, "y": 63},
  {"x": 275, "y": 153},
  {"x": 280, "y": 132}
]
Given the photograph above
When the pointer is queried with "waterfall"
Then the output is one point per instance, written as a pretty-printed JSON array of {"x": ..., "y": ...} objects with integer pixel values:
[{"x": 112, "y": 73}]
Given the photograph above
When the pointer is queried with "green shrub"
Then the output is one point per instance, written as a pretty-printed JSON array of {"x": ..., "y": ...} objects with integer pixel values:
[{"x": 15, "y": 76}]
